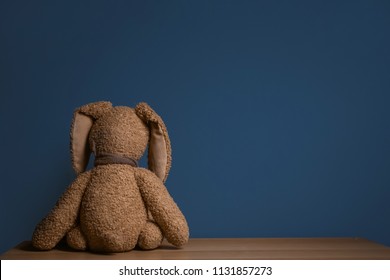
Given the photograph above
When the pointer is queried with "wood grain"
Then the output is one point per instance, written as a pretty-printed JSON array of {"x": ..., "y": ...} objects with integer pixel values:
[{"x": 226, "y": 248}]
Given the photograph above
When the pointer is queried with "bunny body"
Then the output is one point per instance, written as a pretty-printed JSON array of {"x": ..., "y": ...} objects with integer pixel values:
[
  {"x": 116, "y": 205},
  {"x": 113, "y": 212}
]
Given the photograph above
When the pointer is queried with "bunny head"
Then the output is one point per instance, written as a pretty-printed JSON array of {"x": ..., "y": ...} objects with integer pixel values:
[{"x": 122, "y": 132}]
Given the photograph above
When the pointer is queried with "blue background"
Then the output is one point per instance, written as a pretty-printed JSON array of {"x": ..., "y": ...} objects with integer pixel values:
[{"x": 278, "y": 111}]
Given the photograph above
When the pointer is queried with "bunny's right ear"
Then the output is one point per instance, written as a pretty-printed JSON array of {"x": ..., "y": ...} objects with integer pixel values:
[
  {"x": 82, "y": 122},
  {"x": 159, "y": 154}
]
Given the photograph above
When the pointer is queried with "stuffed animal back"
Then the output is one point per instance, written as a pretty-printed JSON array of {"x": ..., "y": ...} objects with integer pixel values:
[{"x": 116, "y": 205}]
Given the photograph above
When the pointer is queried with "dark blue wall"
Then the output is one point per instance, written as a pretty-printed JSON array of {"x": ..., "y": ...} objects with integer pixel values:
[{"x": 278, "y": 111}]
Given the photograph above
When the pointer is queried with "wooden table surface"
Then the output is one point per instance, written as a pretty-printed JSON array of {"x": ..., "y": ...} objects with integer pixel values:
[{"x": 226, "y": 248}]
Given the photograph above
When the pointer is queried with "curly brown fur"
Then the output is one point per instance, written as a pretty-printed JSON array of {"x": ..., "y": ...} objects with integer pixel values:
[
  {"x": 120, "y": 132},
  {"x": 62, "y": 217},
  {"x": 151, "y": 236},
  {"x": 148, "y": 115},
  {"x": 114, "y": 207},
  {"x": 96, "y": 110},
  {"x": 164, "y": 210}
]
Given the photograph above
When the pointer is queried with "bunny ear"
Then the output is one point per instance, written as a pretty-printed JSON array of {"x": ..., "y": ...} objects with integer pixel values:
[
  {"x": 83, "y": 119},
  {"x": 79, "y": 131},
  {"x": 159, "y": 153}
]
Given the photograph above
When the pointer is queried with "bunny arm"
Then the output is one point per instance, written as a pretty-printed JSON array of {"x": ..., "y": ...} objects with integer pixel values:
[
  {"x": 62, "y": 217},
  {"x": 164, "y": 210}
]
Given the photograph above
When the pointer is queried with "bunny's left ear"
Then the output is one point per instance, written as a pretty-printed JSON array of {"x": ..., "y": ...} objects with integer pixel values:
[
  {"x": 82, "y": 122},
  {"x": 159, "y": 153}
]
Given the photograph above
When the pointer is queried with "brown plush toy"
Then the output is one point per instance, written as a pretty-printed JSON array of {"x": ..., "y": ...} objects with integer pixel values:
[{"x": 116, "y": 205}]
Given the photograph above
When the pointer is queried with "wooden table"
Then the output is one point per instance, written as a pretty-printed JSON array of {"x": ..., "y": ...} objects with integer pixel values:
[{"x": 226, "y": 248}]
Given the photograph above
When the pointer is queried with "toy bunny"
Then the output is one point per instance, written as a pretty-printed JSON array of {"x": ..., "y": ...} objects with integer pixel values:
[{"x": 116, "y": 205}]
